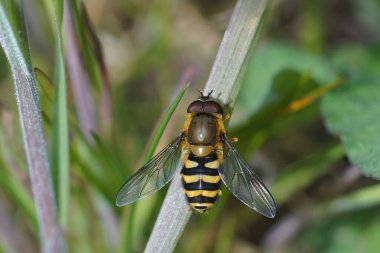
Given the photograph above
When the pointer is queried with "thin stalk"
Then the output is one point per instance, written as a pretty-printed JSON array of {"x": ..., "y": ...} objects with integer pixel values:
[
  {"x": 13, "y": 40},
  {"x": 80, "y": 81},
  {"x": 164, "y": 122},
  {"x": 234, "y": 51},
  {"x": 224, "y": 81},
  {"x": 59, "y": 153}
]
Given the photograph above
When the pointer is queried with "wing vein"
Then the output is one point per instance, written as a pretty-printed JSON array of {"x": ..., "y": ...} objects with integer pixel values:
[
  {"x": 243, "y": 181},
  {"x": 148, "y": 179}
]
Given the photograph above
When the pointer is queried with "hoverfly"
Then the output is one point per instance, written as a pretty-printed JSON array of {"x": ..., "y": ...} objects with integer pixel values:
[{"x": 208, "y": 157}]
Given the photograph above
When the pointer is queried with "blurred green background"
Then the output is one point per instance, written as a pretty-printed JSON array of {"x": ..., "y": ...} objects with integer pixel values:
[{"x": 150, "y": 49}]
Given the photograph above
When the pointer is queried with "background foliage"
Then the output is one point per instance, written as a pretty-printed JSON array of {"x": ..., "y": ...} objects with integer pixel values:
[{"x": 307, "y": 118}]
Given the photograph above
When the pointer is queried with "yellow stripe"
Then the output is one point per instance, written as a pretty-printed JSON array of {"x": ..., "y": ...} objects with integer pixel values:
[
  {"x": 205, "y": 193},
  {"x": 211, "y": 194},
  {"x": 210, "y": 179},
  {"x": 201, "y": 204},
  {"x": 190, "y": 164},
  {"x": 212, "y": 165},
  {"x": 190, "y": 179}
]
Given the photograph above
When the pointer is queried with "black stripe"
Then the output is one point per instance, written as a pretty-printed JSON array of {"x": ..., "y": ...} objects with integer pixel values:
[
  {"x": 203, "y": 159},
  {"x": 201, "y": 185},
  {"x": 201, "y": 199},
  {"x": 200, "y": 171}
]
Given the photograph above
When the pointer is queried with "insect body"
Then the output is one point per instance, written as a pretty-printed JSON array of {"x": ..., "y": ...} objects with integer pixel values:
[{"x": 208, "y": 157}]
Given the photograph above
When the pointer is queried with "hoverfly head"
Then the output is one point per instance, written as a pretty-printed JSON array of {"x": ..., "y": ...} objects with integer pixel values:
[{"x": 205, "y": 104}]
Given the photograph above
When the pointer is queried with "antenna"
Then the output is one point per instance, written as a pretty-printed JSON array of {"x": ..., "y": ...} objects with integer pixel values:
[{"x": 203, "y": 96}]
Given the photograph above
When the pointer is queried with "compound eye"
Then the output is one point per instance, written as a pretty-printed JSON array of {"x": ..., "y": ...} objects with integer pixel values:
[
  {"x": 212, "y": 107},
  {"x": 196, "y": 106}
]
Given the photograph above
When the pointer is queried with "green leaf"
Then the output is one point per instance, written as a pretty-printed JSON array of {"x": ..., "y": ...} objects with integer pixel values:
[
  {"x": 268, "y": 61},
  {"x": 293, "y": 79},
  {"x": 164, "y": 122},
  {"x": 59, "y": 154},
  {"x": 14, "y": 188},
  {"x": 15, "y": 19},
  {"x": 45, "y": 85},
  {"x": 46, "y": 93},
  {"x": 18, "y": 194},
  {"x": 88, "y": 49},
  {"x": 274, "y": 116},
  {"x": 352, "y": 111}
]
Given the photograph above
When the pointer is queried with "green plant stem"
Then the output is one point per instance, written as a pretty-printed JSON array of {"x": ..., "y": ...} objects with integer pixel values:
[
  {"x": 59, "y": 154},
  {"x": 14, "y": 42},
  {"x": 231, "y": 61},
  {"x": 164, "y": 122},
  {"x": 224, "y": 81},
  {"x": 80, "y": 82}
]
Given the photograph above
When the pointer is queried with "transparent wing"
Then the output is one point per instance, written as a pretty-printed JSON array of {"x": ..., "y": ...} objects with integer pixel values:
[
  {"x": 243, "y": 182},
  {"x": 152, "y": 176}
]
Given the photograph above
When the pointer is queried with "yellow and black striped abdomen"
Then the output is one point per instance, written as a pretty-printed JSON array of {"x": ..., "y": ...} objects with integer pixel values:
[{"x": 201, "y": 181}]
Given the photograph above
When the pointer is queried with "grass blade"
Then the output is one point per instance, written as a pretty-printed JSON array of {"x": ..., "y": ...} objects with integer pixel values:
[
  {"x": 20, "y": 196},
  {"x": 77, "y": 72},
  {"x": 59, "y": 154},
  {"x": 14, "y": 42},
  {"x": 164, "y": 122},
  {"x": 224, "y": 80},
  {"x": 231, "y": 60}
]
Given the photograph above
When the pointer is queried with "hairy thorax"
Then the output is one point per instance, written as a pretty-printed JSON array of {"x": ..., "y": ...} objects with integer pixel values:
[{"x": 202, "y": 134}]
